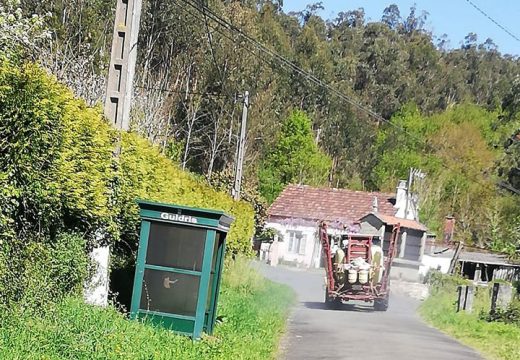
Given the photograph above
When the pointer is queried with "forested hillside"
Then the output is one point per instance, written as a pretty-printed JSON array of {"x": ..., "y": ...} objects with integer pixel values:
[{"x": 453, "y": 112}]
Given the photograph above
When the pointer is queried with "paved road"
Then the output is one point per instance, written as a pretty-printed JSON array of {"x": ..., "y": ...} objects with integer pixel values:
[{"x": 356, "y": 332}]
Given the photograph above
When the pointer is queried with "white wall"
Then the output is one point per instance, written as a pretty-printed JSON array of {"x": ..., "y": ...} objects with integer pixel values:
[
  {"x": 433, "y": 262},
  {"x": 308, "y": 254},
  {"x": 311, "y": 256},
  {"x": 96, "y": 288}
]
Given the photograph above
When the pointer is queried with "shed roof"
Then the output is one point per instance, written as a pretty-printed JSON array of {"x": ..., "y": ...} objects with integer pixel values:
[
  {"x": 482, "y": 256},
  {"x": 329, "y": 204},
  {"x": 486, "y": 258},
  {"x": 392, "y": 220}
]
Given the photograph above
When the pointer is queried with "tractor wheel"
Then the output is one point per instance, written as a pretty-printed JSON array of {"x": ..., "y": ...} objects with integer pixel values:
[
  {"x": 381, "y": 304},
  {"x": 332, "y": 303}
]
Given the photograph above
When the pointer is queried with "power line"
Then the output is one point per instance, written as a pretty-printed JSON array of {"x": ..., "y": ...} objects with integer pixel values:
[
  {"x": 224, "y": 34},
  {"x": 212, "y": 50},
  {"x": 224, "y": 23},
  {"x": 493, "y": 20},
  {"x": 208, "y": 13},
  {"x": 181, "y": 91},
  {"x": 284, "y": 61}
]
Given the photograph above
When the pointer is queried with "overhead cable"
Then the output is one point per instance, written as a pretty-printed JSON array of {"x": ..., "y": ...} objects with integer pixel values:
[
  {"x": 493, "y": 20},
  {"x": 208, "y": 13}
]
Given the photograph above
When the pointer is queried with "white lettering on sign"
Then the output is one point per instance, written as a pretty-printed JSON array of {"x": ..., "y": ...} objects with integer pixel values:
[{"x": 178, "y": 217}]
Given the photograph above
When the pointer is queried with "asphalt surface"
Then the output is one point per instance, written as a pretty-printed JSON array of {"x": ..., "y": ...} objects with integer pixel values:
[{"x": 356, "y": 331}]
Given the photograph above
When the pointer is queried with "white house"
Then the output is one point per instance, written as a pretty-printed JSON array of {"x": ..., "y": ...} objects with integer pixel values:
[
  {"x": 295, "y": 214},
  {"x": 298, "y": 245},
  {"x": 298, "y": 209}
]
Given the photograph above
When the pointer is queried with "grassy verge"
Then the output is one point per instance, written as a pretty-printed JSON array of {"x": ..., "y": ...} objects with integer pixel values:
[
  {"x": 495, "y": 340},
  {"x": 252, "y": 308}
]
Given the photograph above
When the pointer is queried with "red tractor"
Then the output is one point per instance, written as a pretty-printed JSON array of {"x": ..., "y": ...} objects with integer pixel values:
[{"x": 357, "y": 268}]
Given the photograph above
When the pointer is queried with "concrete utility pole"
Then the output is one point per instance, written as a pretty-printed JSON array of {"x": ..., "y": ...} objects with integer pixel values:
[
  {"x": 117, "y": 109},
  {"x": 414, "y": 173},
  {"x": 122, "y": 63},
  {"x": 241, "y": 148}
]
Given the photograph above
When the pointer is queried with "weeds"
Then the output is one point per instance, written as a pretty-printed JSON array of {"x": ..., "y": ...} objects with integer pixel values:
[
  {"x": 496, "y": 340},
  {"x": 511, "y": 315},
  {"x": 252, "y": 312}
]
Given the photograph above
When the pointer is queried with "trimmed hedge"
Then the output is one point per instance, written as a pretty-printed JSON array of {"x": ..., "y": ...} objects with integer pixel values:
[
  {"x": 55, "y": 165},
  {"x": 147, "y": 174},
  {"x": 58, "y": 175}
]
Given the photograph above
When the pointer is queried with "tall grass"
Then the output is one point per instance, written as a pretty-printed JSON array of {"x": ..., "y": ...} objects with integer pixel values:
[
  {"x": 495, "y": 340},
  {"x": 252, "y": 313}
]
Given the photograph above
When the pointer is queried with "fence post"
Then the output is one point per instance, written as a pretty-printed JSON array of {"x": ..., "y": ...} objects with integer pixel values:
[
  {"x": 494, "y": 296},
  {"x": 461, "y": 300},
  {"x": 501, "y": 296},
  {"x": 478, "y": 273},
  {"x": 466, "y": 295},
  {"x": 470, "y": 294}
]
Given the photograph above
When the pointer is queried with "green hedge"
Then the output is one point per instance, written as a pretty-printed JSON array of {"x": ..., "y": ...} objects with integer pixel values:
[
  {"x": 147, "y": 174},
  {"x": 55, "y": 165},
  {"x": 58, "y": 175}
]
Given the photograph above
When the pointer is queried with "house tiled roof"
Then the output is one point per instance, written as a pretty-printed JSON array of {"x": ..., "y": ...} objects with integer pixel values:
[
  {"x": 405, "y": 223},
  {"x": 328, "y": 204}
]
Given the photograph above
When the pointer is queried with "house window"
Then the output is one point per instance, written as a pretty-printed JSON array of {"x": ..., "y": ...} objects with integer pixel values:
[{"x": 297, "y": 242}]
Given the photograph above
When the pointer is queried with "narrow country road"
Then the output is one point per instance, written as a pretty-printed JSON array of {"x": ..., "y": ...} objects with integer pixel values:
[{"x": 356, "y": 332}]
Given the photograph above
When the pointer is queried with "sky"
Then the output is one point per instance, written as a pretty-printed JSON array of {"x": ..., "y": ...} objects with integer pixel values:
[{"x": 456, "y": 18}]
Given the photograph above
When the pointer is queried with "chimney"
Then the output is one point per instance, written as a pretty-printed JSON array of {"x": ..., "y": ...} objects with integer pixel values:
[
  {"x": 400, "y": 199},
  {"x": 375, "y": 207},
  {"x": 449, "y": 228}
]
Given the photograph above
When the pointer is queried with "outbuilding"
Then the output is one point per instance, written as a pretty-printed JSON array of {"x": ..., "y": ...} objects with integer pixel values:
[{"x": 488, "y": 266}]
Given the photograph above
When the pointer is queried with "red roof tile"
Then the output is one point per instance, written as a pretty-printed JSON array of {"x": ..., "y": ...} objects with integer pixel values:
[{"x": 339, "y": 205}]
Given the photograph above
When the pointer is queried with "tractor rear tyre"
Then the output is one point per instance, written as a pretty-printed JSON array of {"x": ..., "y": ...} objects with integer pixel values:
[
  {"x": 332, "y": 303},
  {"x": 381, "y": 304}
]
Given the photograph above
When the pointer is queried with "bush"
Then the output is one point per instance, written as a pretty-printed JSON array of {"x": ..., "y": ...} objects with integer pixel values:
[
  {"x": 437, "y": 281},
  {"x": 224, "y": 181},
  {"x": 36, "y": 273},
  {"x": 516, "y": 286},
  {"x": 511, "y": 315},
  {"x": 146, "y": 174},
  {"x": 55, "y": 158},
  {"x": 58, "y": 176}
]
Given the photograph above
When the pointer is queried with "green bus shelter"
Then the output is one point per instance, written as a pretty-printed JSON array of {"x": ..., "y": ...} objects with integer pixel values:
[{"x": 179, "y": 267}]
